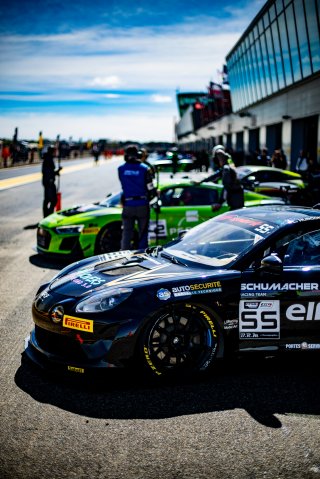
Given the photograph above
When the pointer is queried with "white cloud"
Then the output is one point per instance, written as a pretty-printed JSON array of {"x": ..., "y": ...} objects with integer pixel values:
[
  {"x": 111, "y": 95},
  {"x": 161, "y": 98},
  {"x": 112, "y": 81}
]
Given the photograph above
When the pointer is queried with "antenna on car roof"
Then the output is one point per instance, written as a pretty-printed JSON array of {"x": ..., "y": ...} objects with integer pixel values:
[{"x": 316, "y": 207}]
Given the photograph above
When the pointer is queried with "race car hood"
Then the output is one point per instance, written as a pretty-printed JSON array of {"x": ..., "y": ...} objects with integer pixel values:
[
  {"x": 76, "y": 215},
  {"x": 125, "y": 269}
]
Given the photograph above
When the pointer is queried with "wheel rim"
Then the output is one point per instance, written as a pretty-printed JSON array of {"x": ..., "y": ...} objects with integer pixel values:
[{"x": 181, "y": 340}]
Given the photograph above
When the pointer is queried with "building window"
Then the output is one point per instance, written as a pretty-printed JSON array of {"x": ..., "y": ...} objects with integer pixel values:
[
  {"x": 274, "y": 78},
  {"x": 265, "y": 60},
  {"x": 278, "y": 56},
  {"x": 293, "y": 44},
  {"x": 285, "y": 50},
  {"x": 313, "y": 31},
  {"x": 302, "y": 38}
]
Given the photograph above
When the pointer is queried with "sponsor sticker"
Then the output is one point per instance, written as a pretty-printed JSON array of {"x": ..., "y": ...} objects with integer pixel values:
[
  {"x": 259, "y": 319},
  {"x": 303, "y": 312},
  {"x": 75, "y": 370},
  {"x": 71, "y": 322},
  {"x": 192, "y": 216},
  {"x": 265, "y": 289},
  {"x": 197, "y": 288},
  {"x": 163, "y": 294},
  {"x": 303, "y": 346},
  {"x": 87, "y": 280},
  {"x": 158, "y": 229}
]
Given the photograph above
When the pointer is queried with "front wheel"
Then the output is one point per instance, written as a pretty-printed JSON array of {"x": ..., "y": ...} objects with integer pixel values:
[
  {"x": 181, "y": 339},
  {"x": 109, "y": 239}
]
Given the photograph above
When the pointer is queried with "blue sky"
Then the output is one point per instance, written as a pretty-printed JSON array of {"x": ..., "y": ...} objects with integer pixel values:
[{"x": 110, "y": 69}]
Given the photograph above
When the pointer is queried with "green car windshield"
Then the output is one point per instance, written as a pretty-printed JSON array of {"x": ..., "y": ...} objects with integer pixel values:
[
  {"x": 214, "y": 243},
  {"x": 111, "y": 201}
]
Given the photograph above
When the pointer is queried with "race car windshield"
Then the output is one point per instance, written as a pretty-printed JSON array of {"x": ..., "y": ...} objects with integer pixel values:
[
  {"x": 217, "y": 244},
  {"x": 112, "y": 200}
]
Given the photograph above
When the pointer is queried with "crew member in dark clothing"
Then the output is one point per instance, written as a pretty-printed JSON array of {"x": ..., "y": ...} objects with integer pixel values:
[
  {"x": 49, "y": 173},
  {"x": 137, "y": 190},
  {"x": 232, "y": 189}
]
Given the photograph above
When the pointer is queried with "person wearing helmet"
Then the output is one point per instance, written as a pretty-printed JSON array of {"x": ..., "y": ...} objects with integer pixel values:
[
  {"x": 215, "y": 149},
  {"x": 138, "y": 189}
]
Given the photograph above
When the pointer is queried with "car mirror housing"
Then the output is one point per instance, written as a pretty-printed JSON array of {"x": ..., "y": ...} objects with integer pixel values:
[{"x": 271, "y": 264}]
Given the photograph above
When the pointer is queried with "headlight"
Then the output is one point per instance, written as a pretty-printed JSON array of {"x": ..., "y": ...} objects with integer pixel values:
[
  {"x": 69, "y": 230},
  {"x": 103, "y": 301}
]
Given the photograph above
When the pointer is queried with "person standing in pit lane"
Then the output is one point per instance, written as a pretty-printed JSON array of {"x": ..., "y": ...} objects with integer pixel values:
[
  {"x": 232, "y": 189},
  {"x": 137, "y": 190},
  {"x": 49, "y": 173}
]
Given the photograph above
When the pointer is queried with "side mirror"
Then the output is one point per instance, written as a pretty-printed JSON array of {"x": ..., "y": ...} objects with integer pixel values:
[
  {"x": 181, "y": 234},
  {"x": 271, "y": 264}
]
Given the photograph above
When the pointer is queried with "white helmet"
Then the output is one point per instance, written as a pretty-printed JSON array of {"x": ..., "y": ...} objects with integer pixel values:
[{"x": 216, "y": 148}]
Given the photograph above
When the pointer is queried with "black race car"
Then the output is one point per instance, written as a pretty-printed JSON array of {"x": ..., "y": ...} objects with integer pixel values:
[{"x": 247, "y": 280}]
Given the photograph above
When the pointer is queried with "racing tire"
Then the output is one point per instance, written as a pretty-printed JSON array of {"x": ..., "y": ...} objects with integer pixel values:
[
  {"x": 109, "y": 239},
  {"x": 182, "y": 340}
]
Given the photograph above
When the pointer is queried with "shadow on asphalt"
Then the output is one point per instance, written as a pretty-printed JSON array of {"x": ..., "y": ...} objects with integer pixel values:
[
  {"x": 46, "y": 262},
  {"x": 262, "y": 387},
  {"x": 31, "y": 227}
]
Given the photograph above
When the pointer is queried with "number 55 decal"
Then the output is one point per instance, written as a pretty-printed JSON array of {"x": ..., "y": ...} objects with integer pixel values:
[
  {"x": 265, "y": 228},
  {"x": 259, "y": 319}
]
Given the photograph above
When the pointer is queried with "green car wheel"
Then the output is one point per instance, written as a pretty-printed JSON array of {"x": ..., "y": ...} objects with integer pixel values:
[{"x": 109, "y": 239}]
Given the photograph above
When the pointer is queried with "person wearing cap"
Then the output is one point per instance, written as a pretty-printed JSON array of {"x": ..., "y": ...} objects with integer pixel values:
[
  {"x": 143, "y": 156},
  {"x": 137, "y": 190},
  {"x": 232, "y": 188}
]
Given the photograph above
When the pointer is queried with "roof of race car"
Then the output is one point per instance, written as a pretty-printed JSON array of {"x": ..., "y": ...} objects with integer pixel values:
[
  {"x": 247, "y": 169},
  {"x": 277, "y": 215}
]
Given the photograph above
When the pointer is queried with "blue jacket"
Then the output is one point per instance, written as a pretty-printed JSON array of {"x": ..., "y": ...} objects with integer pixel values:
[{"x": 135, "y": 181}]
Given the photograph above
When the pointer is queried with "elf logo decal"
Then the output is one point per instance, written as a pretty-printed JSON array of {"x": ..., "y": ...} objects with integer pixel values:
[
  {"x": 259, "y": 319},
  {"x": 301, "y": 312}
]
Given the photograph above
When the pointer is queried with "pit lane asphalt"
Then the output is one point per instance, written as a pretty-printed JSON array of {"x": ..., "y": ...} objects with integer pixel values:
[{"x": 254, "y": 418}]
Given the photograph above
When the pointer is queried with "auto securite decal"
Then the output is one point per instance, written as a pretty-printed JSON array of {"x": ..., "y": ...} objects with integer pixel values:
[
  {"x": 197, "y": 288},
  {"x": 71, "y": 322},
  {"x": 163, "y": 294},
  {"x": 259, "y": 319}
]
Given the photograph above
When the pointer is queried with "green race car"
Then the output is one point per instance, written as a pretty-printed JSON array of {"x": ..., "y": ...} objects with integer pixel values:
[{"x": 84, "y": 231}]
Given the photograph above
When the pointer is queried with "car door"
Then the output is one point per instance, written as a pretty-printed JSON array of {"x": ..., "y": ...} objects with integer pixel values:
[
  {"x": 182, "y": 207},
  {"x": 283, "y": 309}
]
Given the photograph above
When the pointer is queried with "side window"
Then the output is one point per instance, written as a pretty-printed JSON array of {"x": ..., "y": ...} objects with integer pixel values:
[
  {"x": 199, "y": 196},
  {"x": 304, "y": 250}
]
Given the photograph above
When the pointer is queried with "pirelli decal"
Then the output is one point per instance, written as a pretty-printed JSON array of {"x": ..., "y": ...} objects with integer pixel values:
[{"x": 71, "y": 322}]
